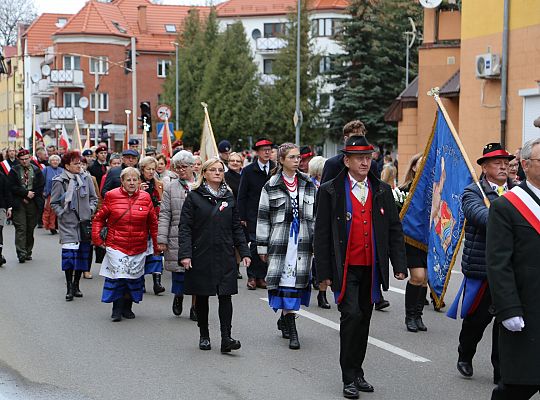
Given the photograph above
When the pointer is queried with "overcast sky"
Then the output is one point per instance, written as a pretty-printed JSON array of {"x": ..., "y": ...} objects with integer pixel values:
[{"x": 72, "y": 6}]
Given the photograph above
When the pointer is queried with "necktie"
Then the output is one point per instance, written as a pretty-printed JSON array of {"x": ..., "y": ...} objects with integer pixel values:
[
  {"x": 500, "y": 190},
  {"x": 265, "y": 172},
  {"x": 360, "y": 192},
  {"x": 25, "y": 177}
]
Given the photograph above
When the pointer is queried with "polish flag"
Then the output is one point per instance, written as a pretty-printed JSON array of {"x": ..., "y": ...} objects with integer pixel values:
[
  {"x": 37, "y": 132},
  {"x": 64, "y": 139},
  {"x": 166, "y": 145}
]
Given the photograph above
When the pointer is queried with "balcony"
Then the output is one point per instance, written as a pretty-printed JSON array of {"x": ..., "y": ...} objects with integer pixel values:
[
  {"x": 66, "y": 78},
  {"x": 65, "y": 114},
  {"x": 42, "y": 119},
  {"x": 266, "y": 79},
  {"x": 270, "y": 45},
  {"x": 41, "y": 88}
]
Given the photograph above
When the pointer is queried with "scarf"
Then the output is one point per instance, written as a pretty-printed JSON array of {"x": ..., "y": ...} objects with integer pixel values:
[
  {"x": 76, "y": 183},
  {"x": 219, "y": 193}
]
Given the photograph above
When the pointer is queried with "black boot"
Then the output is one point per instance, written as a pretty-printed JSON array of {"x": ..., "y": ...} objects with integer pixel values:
[
  {"x": 204, "y": 340},
  {"x": 76, "y": 291},
  {"x": 177, "y": 304},
  {"x": 193, "y": 314},
  {"x": 323, "y": 302},
  {"x": 411, "y": 298},
  {"x": 2, "y": 258},
  {"x": 290, "y": 321},
  {"x": 420, "y": 308},
  {"x": 117, "y": 307},
  {"x": 157, "y": 284},
  {"x": 282, "y": 326},
  {"x": 69, "y": 284},
  {"x": 127, "y": 313},
  {"x": 227, "y": 342}
]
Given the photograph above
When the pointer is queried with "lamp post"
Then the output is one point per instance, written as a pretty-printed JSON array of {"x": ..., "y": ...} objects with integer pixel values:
[
  {"x": 177, "y": 80},
  {"x": 410, "y": 43},
  {"x": 298, "y": 113},
  {"x": 126, "y": 139}
]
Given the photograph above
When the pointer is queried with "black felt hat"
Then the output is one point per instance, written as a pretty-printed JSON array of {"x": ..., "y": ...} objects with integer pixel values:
[
  {"x": 494, "y": 150},
  {"x": 357, "y": 145}
]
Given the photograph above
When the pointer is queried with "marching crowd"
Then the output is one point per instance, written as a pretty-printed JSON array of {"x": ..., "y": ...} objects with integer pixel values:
[{"x": 297, "y": 221}]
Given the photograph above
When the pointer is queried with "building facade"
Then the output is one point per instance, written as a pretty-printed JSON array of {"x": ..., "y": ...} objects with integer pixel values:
[{"x": 11, "y": 99}]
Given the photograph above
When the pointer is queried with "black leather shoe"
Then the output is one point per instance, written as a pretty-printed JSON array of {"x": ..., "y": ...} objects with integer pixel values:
[
  {"x": 282, "y": 326},
  {"x": 2, "y": 260},
  {"x": 410, "y": 323},
  {"x": 192, "y": 314},
  {"x": 362, "y": 385},
  {"x": 350, "y": 391},
  {"x": 177, "y": 304},
  {"x": 322, "y": 301},
  {"x": 204, "y": 343},
  {"x": 22, "y": 260},
  {"x": 76, "y": 291},
  {"x": 28, "y": 258},
  {"x": 465, "y": 368},
  {"x": 127, "y": 313},
  {"x": 381, "y": 305},
  {"x": 228, "y": 344}
]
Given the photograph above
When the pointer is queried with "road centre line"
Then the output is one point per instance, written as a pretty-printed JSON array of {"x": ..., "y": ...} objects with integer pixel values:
[{"x": 371, "y": 340}]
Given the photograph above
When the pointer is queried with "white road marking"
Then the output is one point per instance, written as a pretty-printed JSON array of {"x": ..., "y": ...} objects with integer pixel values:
[
  {"x": 397, "y": 290},
  {"x": 375, "y": 342}
]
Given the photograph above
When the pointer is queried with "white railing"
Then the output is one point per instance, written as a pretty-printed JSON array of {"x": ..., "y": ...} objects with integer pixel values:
[
  {"x": 66, "y": 77},
  {"x": 66, "y": 113},
  {"x": 265, "y": 79},
  {"x": 270, "y": 44}
]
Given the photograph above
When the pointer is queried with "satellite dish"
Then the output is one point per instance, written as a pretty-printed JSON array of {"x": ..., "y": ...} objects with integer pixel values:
[
  {"x": 430, "y": 3},
  {"x": 35, "y": 77},
  {"x": 51, "y": 104},
  {"x": 83, "y": 102},
  {"x": 46, "y": 70}
]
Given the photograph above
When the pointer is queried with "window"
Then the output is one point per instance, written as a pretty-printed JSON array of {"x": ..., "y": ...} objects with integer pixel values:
[
  {"x": 119, "y": 27},
  {"x": 324, "y": 27},
  {"x": 103, "y": 101},
  {"x": 267, "y": 66},
  {"x": 72, "y": 63},
  {"x": 61, "y": 22},
  {"x": 163, "y": 68},
  {"x": 170, "y": 28},
  {"x": 324, "y": 101},
  {"x": 99, "y": 64},
  {"x": 71, "y": 99},
  {"x": 325, "y": 64},
  {"x": 274, "y": 29}
]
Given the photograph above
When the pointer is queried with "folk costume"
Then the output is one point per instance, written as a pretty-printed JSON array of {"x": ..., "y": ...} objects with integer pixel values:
[
  {"x": 356, "y": 230},
  {"x": 285, "y": 233}
]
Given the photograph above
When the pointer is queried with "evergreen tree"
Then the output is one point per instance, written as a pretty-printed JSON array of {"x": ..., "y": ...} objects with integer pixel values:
[{"x": 370, "y": 74}]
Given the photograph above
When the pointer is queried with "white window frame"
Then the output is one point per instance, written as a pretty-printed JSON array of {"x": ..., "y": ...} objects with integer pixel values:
[
  {"x": 103, "y": 98},
  {"x": 75, "y": 97},
  {"x": 170, "y": 28},
  {"x": 73, "y": 60},
  {"x": 163, "y": 68},
  {"x": 271, "y": 62},
  {"x": 103, "y": 63}
]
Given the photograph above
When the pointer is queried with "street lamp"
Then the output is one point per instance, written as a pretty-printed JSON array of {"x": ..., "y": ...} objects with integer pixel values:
[
  {"x": 126, "y": 139},
  {"x": 298, "y": 113},
  {"x": 410, "y": 43},
  {"x": 177, "y": 79}
]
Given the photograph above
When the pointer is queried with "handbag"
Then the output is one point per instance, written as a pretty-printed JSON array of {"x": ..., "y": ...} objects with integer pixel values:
[
  {"x": 103, "y": 232},
  {"x": 85, "y": 228}
]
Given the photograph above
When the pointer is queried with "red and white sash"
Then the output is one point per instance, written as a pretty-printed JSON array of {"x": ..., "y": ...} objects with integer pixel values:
[
  {"x": 5, "y": 167},
  {"x": 525, "y": 204},
  {"x": 37, "y": 163}
]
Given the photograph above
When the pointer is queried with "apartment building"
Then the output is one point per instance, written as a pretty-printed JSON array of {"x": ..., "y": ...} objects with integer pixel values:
[{"x": 11, "y": 99}]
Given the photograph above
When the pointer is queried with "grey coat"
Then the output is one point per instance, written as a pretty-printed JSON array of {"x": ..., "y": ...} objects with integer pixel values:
[
  {"x": 169, "y": 219},
  {"x": 274, "y": 225},
  {"x": 68, "y": 223}
]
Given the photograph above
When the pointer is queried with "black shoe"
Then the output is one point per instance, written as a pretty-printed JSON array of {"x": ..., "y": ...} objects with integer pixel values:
[
  {"x": 420, "y": 309},
  {"x": 412, "y": 293},
  {"x": 322, "y": 301},
  {"x": 239, "y": 275},
  {"x": 126, "y": 309},
  {"x": 116, "y": 315},
  {"x": 28, "y": 258},
  {"x": 192, "y": 314},
  {"x": 157, "y": 284},
  {"x": 69, "y": 293},
  {"x": 465, "y": 368},
  {"x": 76, "y": 291},
  {"x": 282, "y": 326},
  {"x": 410, "y": 324},
  {"x": 290, "y": 321},
  {"x": 177, "y": 304},
  {"x": 315, "y": 284},
  {"x": 350, "y": 391},
  {"x": 2, "y": 260},
  {"x": 381, "y": 305},
  {"x": 204, "y": 343},
  {"x": 228, "y": 344},
  {"x": 362, "y": 385},
  {"x": 22, "y": 260},
  {"x": 53, "y": 232}
]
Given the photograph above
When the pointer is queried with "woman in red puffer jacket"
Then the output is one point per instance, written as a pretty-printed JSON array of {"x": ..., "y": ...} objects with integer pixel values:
[{"x": 130, "y": 218}]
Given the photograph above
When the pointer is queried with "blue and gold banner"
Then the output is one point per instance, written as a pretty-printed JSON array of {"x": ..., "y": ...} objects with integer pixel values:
[{"x": 432, "y": 217}]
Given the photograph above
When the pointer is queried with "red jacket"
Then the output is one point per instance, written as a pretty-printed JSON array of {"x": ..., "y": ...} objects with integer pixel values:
[{"x": 128, "y": 232}]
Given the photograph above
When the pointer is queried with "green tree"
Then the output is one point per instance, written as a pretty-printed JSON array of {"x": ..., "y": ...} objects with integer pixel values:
[
  {"x": 229, "y": 87},
  {"x": 370, "y": 73}
]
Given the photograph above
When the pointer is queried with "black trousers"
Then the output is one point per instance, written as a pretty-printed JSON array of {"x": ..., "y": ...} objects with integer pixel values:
[
  {"x": 257, "y": 269},
  {"x": 472, "y": 330},
  {"x": 225, "y": 311},
  {"x": 514, "y": 392},
  {"x": 356, "y": 309}
]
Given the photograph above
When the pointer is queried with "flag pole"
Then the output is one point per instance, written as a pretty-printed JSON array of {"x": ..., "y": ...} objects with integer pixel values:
[
  {"x": 79, "y": 143},
  {"x": 207, "y": 117},
  {"x": 434, "y": 92},
  {"x": 166, "y": 132},
  {"x": 34, "y": 132}
]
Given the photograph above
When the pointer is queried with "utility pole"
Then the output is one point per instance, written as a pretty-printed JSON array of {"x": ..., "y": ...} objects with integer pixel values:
[
  {"x": 96, "y": 100},
  {"x": 298, "y": 113},
  {"x": 134, "y": 85},
  {"x": 177, "y": 99}
]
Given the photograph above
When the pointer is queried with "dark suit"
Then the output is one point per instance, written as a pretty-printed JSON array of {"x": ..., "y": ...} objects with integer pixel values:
[
  {"x": 252, "y": 181},
  {"x": 513, "y": 273},
  {"x": 330, "y": 248}
]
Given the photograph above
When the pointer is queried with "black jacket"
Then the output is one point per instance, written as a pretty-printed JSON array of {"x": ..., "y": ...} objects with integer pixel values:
[
  {"x": 233, "y": 180},
  {"x": 18, "y": 191},
  {"x": 334, "y": 165},
  {"x": 5, "y": 193},
  {"x": 514, "y": 281},
  {"x": 473, "y": 263},
  {"x": 208, "y": 235},
  {"x": 113, "y": 179},
  {"x": 330, "y": 243},
  {"x": 96, "y": 170},
  {"x": 249, "y": 192}
]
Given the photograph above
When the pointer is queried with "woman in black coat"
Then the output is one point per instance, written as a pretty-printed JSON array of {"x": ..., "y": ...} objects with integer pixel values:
[{"x": 209, "y": 231}]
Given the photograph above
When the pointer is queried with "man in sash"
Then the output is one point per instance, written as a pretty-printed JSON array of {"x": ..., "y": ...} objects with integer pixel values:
[
  {"x": 477, "y": 310},
  {"x": 513, "y": 240},
  {"x": 357, "y": 229}
]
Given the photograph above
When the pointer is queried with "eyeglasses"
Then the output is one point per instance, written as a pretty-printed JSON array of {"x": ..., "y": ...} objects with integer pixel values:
[
  {"x": 295, "y": 157},
  {"x": 212, "y": 170},
  {"x": 231, "y": 161},
  {"x": 265, "y": 150},
  {"x": 182, "y": 167}
]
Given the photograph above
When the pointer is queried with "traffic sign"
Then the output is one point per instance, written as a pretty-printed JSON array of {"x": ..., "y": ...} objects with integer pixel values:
[{"x": 164, "y": 112}]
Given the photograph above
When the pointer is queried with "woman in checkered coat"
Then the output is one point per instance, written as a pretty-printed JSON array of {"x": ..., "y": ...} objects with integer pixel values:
[{"x": 284, "y": 238}]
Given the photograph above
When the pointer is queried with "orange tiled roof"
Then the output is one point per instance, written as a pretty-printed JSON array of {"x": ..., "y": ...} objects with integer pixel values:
[
  {"x": 39, "y": 33},
  {"x": 120, "y": 18},
  {"x": 246, "y": 8}
]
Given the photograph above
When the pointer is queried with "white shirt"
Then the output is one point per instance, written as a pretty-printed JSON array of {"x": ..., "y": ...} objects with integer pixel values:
[
  {"x": 533, "y": 188},
  {"x": 494, "y": 186},
  {"x": 354, "y": 182},
  {"x": 261, "y": 166}
]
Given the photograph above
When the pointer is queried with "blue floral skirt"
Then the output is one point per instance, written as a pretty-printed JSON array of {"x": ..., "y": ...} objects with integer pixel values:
[
  {"x": 153, "y": 264},
  {"x": 288, "y": 298},
  {"x": 77, "y": 260},
  {"x": 177, "y": 283},
  {"x": 114, "y": 289}
]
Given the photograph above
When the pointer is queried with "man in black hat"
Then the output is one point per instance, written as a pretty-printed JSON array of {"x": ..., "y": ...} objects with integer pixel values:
[
  {"x": 357, "y": 229},
  {"x": 130, "y": 158},
  {"x": 479, "y": 315},
  {"x": 99, "y": 167},
  {"x": 224, "y": 149},
  {"x": 89, "y": 155},
  {"x": 150, "y": 151},
  {"x": 253, "y": 178},
  {"x": 134, "y": 144}
]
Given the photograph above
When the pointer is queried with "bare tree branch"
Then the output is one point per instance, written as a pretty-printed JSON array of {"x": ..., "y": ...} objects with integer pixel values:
[{"x": 13, "y": 12}]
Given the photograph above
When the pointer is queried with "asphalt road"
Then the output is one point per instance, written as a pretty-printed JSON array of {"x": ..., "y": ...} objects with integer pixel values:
[{"x": 52, "y": 349}]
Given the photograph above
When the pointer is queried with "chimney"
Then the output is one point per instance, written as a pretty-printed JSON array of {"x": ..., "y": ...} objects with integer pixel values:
[{"x": 141, "y": 19}]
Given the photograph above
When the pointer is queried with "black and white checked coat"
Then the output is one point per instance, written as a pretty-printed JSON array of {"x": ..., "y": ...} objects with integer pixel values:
[{"x": 274, "y": 225}]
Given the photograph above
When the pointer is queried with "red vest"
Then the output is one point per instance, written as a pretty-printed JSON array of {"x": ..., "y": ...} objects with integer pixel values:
[{"x": 360, "y": 238}]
